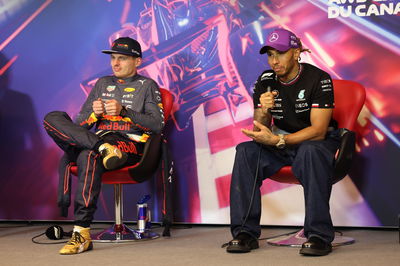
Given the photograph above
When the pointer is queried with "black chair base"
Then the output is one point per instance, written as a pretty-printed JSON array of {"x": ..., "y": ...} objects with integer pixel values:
[
  {"x": 122, "y": 233},
  {"x": 297, "y": 239}
]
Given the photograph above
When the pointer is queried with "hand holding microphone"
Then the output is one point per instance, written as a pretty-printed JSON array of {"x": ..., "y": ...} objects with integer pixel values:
[
  {"x": 267, "y": 84},
  {"x": 267, "y": 100}
]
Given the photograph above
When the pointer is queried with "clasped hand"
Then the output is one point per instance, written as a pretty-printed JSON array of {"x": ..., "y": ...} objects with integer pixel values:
[
  {"x": 109, "y": 107},
  {"x": 263, "y": 135}
]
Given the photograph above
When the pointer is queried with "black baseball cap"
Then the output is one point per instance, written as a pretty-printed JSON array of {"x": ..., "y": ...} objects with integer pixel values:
[{"x": 126, "y": 46}]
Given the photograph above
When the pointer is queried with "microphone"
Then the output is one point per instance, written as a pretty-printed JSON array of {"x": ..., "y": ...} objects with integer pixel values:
[
  {"x": 56, "y": 232},
  {"x": 268, "y": 79}
]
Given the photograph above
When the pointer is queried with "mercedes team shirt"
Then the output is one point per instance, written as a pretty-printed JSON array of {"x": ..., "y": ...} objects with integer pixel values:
[{"x": 312, "y": 88}]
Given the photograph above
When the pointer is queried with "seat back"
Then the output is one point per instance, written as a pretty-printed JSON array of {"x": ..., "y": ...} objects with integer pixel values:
[
  {"x": 167, "y": 101},
  {"x": 349, "y": 99}
]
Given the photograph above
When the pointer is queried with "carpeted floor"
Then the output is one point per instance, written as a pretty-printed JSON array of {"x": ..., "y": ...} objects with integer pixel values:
[{"x": 196, "y": 245}]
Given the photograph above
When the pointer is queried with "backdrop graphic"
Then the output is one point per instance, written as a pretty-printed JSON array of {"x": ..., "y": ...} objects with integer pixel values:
[{"x": 206, "y": 53}]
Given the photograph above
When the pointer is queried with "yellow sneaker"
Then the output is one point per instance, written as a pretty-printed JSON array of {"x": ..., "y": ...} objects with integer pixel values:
[
  {"x": 79, "y": 242},
  {"x": 112, "y": 156}
]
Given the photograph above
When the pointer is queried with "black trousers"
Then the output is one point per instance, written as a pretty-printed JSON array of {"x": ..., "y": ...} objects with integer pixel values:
[
  {"x": 80, "y": 147},
  {"x": 312, "y": 163}
]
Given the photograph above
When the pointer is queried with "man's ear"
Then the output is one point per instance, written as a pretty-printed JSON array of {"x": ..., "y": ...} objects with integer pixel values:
[
  {"x": 296, "y": 53},
  {"x": 138, "y": 61}
]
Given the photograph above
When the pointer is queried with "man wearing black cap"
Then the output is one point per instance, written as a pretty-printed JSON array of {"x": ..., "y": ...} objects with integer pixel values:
[
  {"x": 298, "y": 99},
  {"x": 124, "y": 108}
]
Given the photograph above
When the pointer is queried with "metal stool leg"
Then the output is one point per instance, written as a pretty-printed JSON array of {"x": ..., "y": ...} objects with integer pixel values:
[
  {"x": 297, "y": 239},
  {"x": 118, "y": 232}
]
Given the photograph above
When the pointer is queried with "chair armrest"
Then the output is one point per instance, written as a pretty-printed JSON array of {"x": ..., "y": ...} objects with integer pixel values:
[{"x": 345, "y": 154}]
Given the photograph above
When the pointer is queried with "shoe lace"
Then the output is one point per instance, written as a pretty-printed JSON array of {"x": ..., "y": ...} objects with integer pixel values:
[
  {"x": 108, "y": 150},
  {"x": 76, "y": 238},
  {"x": 103, "y": 151}
]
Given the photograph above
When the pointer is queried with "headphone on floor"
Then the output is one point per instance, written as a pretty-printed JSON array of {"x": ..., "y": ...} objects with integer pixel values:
[{"x": 56, "y": 232}]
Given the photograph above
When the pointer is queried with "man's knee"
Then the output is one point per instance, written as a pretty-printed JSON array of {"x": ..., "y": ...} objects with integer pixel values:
[
  {"x": 247, "y": 157},
  {"x": 247, "y": 148},
  {"x": 311, "y": 148},
  {"x": 55, "y": 116},
  {"x": 312, "y": 155}
]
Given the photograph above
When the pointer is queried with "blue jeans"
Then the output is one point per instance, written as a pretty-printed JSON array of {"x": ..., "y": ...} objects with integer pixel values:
[{"x": 312, "y": 163}]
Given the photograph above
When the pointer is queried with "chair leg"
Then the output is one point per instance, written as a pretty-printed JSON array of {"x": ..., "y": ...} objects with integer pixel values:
[
  {"x": 298, "y": 238},
  {"x": 119, "y": 232}
]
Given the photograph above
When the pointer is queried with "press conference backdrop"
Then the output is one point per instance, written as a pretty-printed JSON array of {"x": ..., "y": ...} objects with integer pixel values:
[{"x": 206, "y": 54}]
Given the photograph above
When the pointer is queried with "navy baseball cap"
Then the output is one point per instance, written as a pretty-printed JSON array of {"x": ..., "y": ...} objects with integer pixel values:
[
  {"x": 281, "y": 40},
  {"x": 126, "y": 46}
]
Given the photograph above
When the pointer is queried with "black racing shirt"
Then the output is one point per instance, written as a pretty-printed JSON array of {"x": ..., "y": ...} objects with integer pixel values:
[
  {"x": 140, "y": 96},
  {"x": 312, "y": 88}
]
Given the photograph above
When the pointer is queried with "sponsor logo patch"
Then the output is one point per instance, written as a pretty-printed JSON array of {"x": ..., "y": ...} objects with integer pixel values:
[
  {"x": 268, "y": 74},
  {"x": 301, "y": 105},
  {"x": 302, "y": 110},
  {"x": 115, "y": 126},
  {"x": 301, "y": 94},
  {"x": 129, "y": 89},
  {"x": 110, "y": 88},
  {"x": 122, "y": 45}
]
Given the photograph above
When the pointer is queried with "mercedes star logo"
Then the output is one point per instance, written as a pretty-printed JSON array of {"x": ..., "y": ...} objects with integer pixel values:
[{"x": 273, "y": 37}]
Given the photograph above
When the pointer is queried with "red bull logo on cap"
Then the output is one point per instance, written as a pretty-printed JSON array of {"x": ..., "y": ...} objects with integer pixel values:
[{"x": 122, "y": 45}]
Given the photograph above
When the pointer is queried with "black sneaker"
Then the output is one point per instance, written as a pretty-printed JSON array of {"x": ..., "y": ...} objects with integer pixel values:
[
  {"x": 242, "y": 243},
  {"x": 112, "y": 156},
  {"x": 315, "y": 246}
]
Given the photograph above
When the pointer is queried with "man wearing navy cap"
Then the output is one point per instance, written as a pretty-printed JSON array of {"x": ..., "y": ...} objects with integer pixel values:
[
  {"x": 125, "y": 109},
  {"x": 293, "y": 125}
]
